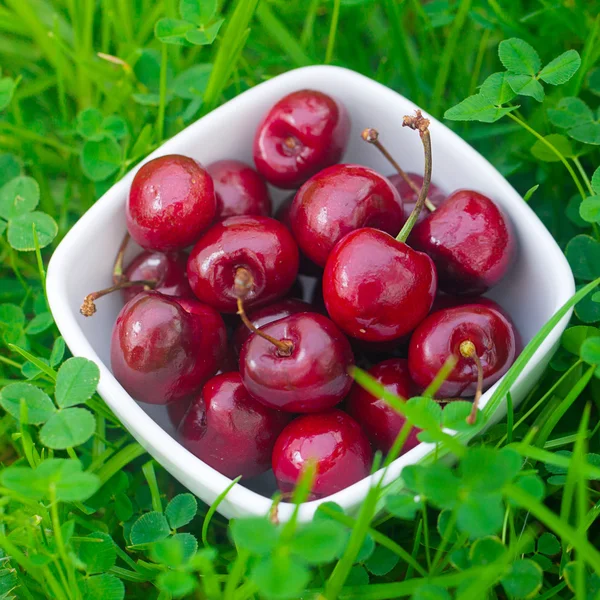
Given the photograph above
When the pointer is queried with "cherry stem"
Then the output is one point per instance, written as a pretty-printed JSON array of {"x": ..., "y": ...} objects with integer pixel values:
[
  {"x": 118, "y": 276},
  {"x": 468, "y": 350},
  {"x": 243, "y": 283},
  {"x": 372, "y": 136},
  {"x": 88, "y": 308},
  {"x": 421, "y": 124}
]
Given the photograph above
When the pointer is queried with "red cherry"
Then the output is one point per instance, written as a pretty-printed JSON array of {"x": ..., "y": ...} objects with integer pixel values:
[
  {"x": 262, "y": 246},
  {"x": 306, "y": 266},
  {"x": 310, "y": 372},
  {"x": 303, "y": 133},
  {"x": 339, "y": 200},
  {"x": 470, "y": 241},
  {"x": 239, "y": 189},
  {"x": 167, "y": 269},
  {"x": 229, "y": 430},
  {"x": 269, "y": 314},
  {"x": 177, "y": 410},
  {"x": 379, "y": 421},
  {"x": 160, "y": 352},
  {"x": 442, "y": 334},
  {"x": 409, "y": 196},
  {"x": 336, "y": 444},
  {"x": 377, "y": 288},
  {"x": 171, "y": 202}
]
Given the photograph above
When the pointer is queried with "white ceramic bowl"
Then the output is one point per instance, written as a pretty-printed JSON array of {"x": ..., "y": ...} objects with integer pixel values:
[{"x": 538, "y": 284}]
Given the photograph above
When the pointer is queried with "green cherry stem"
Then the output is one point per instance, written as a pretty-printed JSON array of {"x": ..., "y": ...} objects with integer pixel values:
[
  {"x": 421, "y": 124},
  {"x": 371, "y": 136}
]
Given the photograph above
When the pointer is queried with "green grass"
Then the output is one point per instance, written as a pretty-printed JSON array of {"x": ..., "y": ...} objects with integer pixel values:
[{"x": 519, "y": 515}]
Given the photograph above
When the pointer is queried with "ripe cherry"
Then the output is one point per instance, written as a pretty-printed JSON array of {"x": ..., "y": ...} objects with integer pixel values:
[
  {"x": 269, "y": 314},
  {"x": 376, "y": 288},
  {"x": 166, "y": 269},
  {"x": 303, "y": 133},
  {"x": 333, "y": 442},
  {"x": 409, "y": 196},
  {"x": 229, "y": 430},
  {"x": 177, "y": 410},
  {"x": 260, "y": 246},
  {"x": 297, "y": 364},
  {"x": 171, "y": 202},
  {"x": 163, "y": 348},
  {"x": 480, "y": 336},
  {"x": 379, "y": 421},
  {"x": 470, "y": 241},
  {"x": 341, "y": 199},
  {"x": 239, "y": 189}
]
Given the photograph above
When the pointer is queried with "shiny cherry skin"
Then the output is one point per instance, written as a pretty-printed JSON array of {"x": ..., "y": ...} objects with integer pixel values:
[
  {"x": 409, "y": 197},
  {"x": 333, "y": 441},
  {"x": 229, "y": 430},
  {"x": 269, "y": 314},
  {"x": 469, "y": 239},
  {"x": 171, "y": 203},
  {"x": 312, "y": 378},
  {"x": 239, "y": 189},
  {"x": 303, "y": 133},
  {"x": 341, "y": 199},
  {"x": 168, "y": 269},
  {"x": 439, "y": 336},
  {"x": 261, "y": 245},
  {"x": 161, "y": 352},
  {"x": 306, "y": 266},
  {"x": 379, "y": 421},
  {"x": 377, "y": 288}
]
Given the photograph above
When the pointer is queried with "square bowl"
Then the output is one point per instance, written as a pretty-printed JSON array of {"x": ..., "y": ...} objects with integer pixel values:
[{"x": 539, "y": 283}]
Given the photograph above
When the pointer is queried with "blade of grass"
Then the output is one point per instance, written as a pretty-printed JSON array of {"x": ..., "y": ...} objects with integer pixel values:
[
  {"x": 335, "y": 17},
  {"x": 150, "y": 475},
  {"x": 213, "y": 509}
]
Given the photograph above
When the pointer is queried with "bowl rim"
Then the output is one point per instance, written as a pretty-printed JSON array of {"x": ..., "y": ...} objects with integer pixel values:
[{"x": 154, "y": 438}]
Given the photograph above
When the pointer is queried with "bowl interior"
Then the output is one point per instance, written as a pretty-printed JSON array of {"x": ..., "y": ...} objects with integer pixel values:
[{"x": 536, "y": 286}]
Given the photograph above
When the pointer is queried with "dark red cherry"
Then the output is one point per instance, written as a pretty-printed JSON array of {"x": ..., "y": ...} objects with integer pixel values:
[
  {"x": 303, "y": 133},
  {"x": 311, "y": 376},
  {"x": 167, "y": 269},
  {"x": 171, "y": 202},
  {"x": 409, "y": 196},
  {"x": 379, "y": 421},
  {"x": 377, "y": 288},
  {"x": 306, "y": 266},
  {"x": 239, "y": 189},
  {"x": 160, "y": 351},
  {"x": 469, "y": 239},
  {"x": 177, "y": 410},
  {"x": 260, "y": 245},
  {"x": 269, "y": 314},
  {"x": 229, "y": 430},
  {"x": 333, "y": 442},
  {"x": 341, "y": 199},
  {"x": 442, "y": 334}
]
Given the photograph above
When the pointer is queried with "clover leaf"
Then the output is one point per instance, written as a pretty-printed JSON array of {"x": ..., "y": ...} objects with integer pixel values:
[{"x": 197, "y": 25}]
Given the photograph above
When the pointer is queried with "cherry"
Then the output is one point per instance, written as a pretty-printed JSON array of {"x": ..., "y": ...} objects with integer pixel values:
[
  {"x": 306, "y": 266},
  {"x": 163, "y": 348},
  {"x": 379, "y": 421},
  {"x": 268, "y": 314},
  {"x": 333, "y": 442},
  {"x": 470, "y": 241},
  {"x": 409, "y": 196},
  {"x": 166, "y": 269},
  {"x": 259, "y": 246},
  {"x": 239, "y": 189},
  {"x": 480, "y": 336},
  {"x": 303, "y": 133},
  {"x": 377, "y": 288},
  {"x": 171, "y": 202},
  {"x": 229, "y": 430},
  {"x": 341, "y": 199},
  {"x": 297, "y": 364},
  {"x": 178, "y": 409}
]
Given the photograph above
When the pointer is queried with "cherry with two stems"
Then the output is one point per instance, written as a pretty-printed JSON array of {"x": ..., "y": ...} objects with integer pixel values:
[{"x": 376, "y": 287}]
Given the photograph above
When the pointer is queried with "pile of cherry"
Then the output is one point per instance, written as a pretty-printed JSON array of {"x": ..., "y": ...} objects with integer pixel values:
[{"x": 399, "y": 267}]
